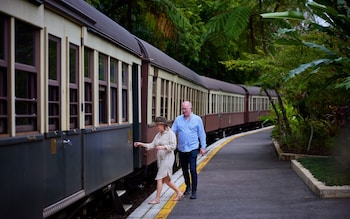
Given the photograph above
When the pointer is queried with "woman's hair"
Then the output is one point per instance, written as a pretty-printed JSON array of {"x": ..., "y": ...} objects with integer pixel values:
[{"x": 161, "y": 120}]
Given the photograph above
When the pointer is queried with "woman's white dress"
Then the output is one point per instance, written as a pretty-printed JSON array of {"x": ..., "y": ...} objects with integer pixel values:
[{"x": 165, "y": 158}]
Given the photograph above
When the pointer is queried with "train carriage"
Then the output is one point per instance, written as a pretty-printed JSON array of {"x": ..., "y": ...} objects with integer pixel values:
[
  {"x": 258, "y": 103},
  {"x": 225, "y": 107},
  {"x": 66, "y": 104},
  {"x": 166, "y": 83}
]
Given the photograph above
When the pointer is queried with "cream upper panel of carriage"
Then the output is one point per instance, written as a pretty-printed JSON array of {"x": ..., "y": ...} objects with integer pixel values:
[
  {"x": 24, "y": 10},
  {"x": 109, "y": 48},
  {"x": 179, "y": 80},
  {"x": 60, "y": 27},
  {"x": 176, "y": 79},
  {"x": 219, "y": 92}
]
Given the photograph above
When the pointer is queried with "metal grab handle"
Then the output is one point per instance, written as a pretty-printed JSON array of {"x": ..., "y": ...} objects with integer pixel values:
[{"x": 67, "y": 141}]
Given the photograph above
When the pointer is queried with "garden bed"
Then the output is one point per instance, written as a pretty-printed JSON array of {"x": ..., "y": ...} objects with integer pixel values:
[
  {"x": 336, "y": 188},
  {"x": 327, "y": 170}
]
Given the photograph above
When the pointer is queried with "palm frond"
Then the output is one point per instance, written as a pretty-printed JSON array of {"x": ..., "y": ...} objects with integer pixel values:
[
  {"x": 321, "y": 48},
  {"x": 176, "y": 16},
  {"x": 345, "y": 84},
  {"x": 229, "y": 24},
  {"x": 306, "y": 66},
  {"x": 294, "y": 15}
]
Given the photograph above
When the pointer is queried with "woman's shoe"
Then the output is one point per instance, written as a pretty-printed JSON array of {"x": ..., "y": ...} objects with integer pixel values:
[
  {"x": 154, "y": 201},
  {"x": 179, "y": 196}
]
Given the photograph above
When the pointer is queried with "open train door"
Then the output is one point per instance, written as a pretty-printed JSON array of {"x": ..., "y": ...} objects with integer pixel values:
[{"x": 136, "y": 83}]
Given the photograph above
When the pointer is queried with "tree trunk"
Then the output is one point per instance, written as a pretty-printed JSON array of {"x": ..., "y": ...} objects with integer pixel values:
[
  {"x": 251, "y": 33},
  {"x": 287, "y": 129},
  {"x": 279, "y": 121},
  {"x": 262, "y": 29}
]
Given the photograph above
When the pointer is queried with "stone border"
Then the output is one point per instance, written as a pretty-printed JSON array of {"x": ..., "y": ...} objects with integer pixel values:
[
  {"x": 318, "y": 187},
  {"x": 289, "y": 156}
]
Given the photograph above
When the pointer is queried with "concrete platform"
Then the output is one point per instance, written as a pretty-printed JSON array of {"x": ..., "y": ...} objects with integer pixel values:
[{"x": 242, "y": 177}]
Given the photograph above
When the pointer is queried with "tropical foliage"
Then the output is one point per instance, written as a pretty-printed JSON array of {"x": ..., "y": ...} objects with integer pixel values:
[{"x": 319, "y": 99}]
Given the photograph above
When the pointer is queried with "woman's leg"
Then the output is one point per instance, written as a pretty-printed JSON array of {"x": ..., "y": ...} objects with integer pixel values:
[
  {"x": 168, "y": 181},
  {"x": 170, "y": 184},
  {"x": 159, "y": 188},
  {"x": 159, "y": 191}
]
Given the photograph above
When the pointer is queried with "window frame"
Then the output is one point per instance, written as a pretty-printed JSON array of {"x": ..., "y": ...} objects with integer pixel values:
[
  {"x": 88, "y": 86},
  {"x": 74, "y": 86},
  {"x": 102, "y": 89},
  {"x": 54, "y": 83},
  {"x": 29, "y": 121}
]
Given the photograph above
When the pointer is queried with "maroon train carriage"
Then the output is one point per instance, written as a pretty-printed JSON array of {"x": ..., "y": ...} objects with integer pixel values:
[
  {"x": 226, "y": 106},
  {"x": 258, "y": 103},
  {"x": 165, "y": 84}
]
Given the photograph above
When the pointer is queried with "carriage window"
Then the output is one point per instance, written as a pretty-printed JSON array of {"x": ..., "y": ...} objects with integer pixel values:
[
  {"x": 26, "y": 76},
  {"x": 166, "y": 99},
  {"x": 172, "y": 101},
  {"x": 238, "y": 104},
  {"x": 3, "y": 79},
  {"x": 2, "y": 37},
  {"x": 102, "y": 69},
  {"x": 197, "y": 100},
  {"x": 3, "y": 101},
  {"x": 54, "y": 83},
  {"x": 88, "y": 69},
  {"x": 162, "y": 97},
  {"x": 25, "y": 44},
  {"x": 255, "y": 104},
  {"x": 235, "y": 104},
  {"x": 125, "y": 81},
  {"x": 114, "y": 90},
  {"x": 73, "y": 86},
  {"x": 26, "y": 101},
  {"x": 154, "y": 91},
  {"x": 177, "y": 100},
  {"x": 213, "y": 102}
]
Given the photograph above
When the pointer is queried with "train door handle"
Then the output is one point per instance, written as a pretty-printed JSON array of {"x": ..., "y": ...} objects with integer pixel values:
[{"x": 67, "y": 142}]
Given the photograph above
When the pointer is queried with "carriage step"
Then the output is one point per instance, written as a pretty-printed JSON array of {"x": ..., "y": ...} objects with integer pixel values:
[
  {"x": 121, "y": 201},
  {"x": 127, "y": 207},
  {"x": 120, "y": 192}
]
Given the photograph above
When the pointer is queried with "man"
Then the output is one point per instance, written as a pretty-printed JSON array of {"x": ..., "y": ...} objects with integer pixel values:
[{"x": 190, "y": 131}]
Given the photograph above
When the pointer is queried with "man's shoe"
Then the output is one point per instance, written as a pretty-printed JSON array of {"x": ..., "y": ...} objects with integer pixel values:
[
  {"x": 187, "y": 191},
  {"x": 194, "y": 195}
]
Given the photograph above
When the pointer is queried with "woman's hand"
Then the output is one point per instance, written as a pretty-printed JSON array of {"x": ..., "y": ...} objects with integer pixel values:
[
  {"x": 136, "y": 144},
  {"x": 160, "y": 147}
]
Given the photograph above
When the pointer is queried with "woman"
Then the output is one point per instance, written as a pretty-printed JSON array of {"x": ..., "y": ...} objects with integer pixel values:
[{"x": 165, "y": 143}]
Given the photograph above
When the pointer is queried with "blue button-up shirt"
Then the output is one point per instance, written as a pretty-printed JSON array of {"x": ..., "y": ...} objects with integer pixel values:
[{"x": 190, "y": 133}]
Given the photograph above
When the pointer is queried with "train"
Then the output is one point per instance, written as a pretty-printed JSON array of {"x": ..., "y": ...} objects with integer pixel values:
[{"x": 76, "y": 90}]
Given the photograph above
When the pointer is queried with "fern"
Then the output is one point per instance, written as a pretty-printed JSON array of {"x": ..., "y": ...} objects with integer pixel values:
[{"x": 228, "y": 25}]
